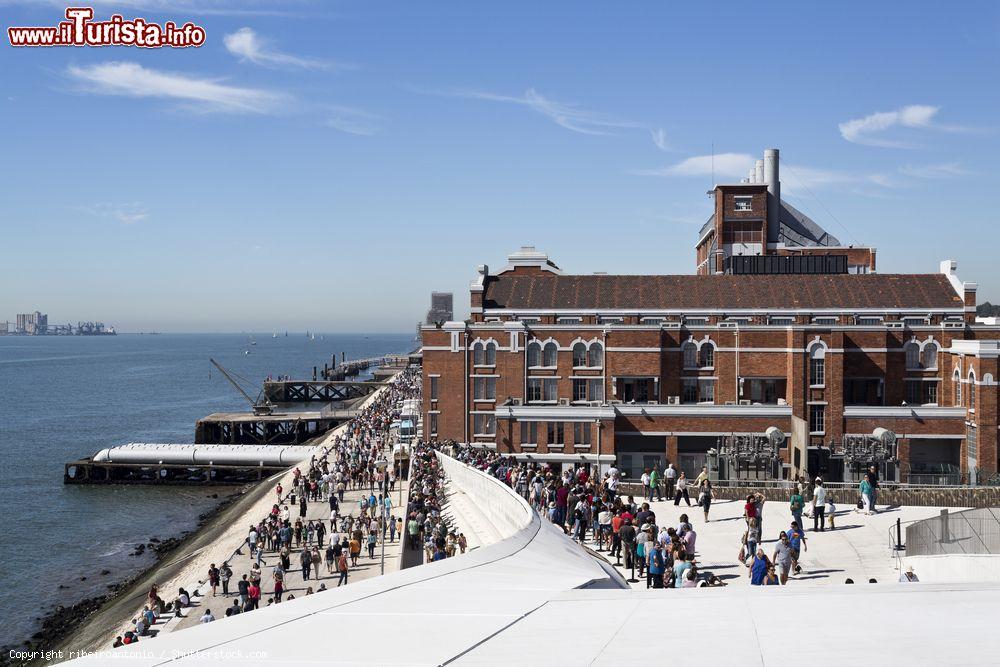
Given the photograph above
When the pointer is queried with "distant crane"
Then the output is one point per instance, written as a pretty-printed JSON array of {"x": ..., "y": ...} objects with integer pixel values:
[{"x": 261, "y": 406}]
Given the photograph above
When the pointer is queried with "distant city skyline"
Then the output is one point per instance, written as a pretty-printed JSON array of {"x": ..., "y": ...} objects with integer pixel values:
[{"x": 326, "y": 169}]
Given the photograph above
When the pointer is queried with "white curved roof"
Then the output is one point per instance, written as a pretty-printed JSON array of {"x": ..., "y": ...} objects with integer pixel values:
[{"x": 536, "y": 598}]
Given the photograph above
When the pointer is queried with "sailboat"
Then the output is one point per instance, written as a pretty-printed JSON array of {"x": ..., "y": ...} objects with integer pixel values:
[{"x": 274, "y": 335}]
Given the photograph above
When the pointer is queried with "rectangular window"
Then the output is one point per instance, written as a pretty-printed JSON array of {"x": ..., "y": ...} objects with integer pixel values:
[
  {"x": 689, "y": 391},
  {"x": 556, "y": 434},
  {"x": 579, "y": 390},
  {"x": 930, "y": 393},
  {"x": 595, "y": 389},
  {"x": 543, "y": 389},
  {"x": 825, "y": 320},
  {"x": 868, "y": 321},
  {"x": 654, "y": 320},
  {"x": 581, "y": 433},
  {"x": 432, "y": 421},
  {"x": 695, "y": 321},
  {"x": 610, "y": 320},
  {"x": 913, "y": 392},
  {"x": 782, "y": 321},
  {"x": 484, "y": 424},
  {"x": 569, "y": 320},
  {"x": 817, "y": 372},
  {"x": 529, "y": 433},
  {"x": 817, "y": 418},
  {"x": 484, "y": 388},
  {"x": 743, "y": 203},
  {"x": 706, "y": 391},
  {"x": 434, "y": 388},
  {"x": 530, "y": 320}
]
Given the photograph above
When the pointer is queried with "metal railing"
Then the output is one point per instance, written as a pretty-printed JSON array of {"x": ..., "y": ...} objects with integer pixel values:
[{"x": 975, "y": 531}]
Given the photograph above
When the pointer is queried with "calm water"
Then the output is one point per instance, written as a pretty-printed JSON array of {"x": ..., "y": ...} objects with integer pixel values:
[{"x": 64, "y": 398}]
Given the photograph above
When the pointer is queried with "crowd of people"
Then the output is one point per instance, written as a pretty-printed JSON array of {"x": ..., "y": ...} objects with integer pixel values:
[
  {"x": 426, "y": 527},
  {"x": 354, "y": 460}
]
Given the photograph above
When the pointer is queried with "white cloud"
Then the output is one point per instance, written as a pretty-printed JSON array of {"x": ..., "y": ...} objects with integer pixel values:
[
  {"x": 945, "y": 170},
  {"x": 863, "y": 130},
  {"x": 133, "y": 80},
  {"x": 725, "y": 165},
  {"x": 353, "y": 121},
  {"x": 127, "y": 214},
  {"x": 568, "y": 116},
  {"x": 660, "y": 139},
  {"x": 248, "y": 46}
]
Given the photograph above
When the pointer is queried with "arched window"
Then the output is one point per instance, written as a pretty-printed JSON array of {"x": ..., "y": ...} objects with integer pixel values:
[
  {"x": 957, "y": 379},
  {"x": 534, "y": 353},
  {"x": 929, "y": 355},
  {"x": 690, "y": 351},
  {"x": 579, "y": 354},
  {"x": 972, "y": 390},
  {"x": 550, "y": 354},
  {"x": 817, "y": 365},
  {"x": 478, "y": 353},
  {"x": 706, "y": 355},
  {"x": 912, "y": 351},
  {"x": 595, "y": 355}
]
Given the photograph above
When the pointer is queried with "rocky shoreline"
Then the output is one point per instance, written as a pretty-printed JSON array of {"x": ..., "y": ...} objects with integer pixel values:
[{"x": 62, "y": 620}]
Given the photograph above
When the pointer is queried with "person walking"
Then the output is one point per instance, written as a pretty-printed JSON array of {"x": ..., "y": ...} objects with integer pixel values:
[
  {"x": 867, "y": 495},
  {"x": 796, "y": 504},
  {"x": 681, "y": 491},
  {"x": 670, "y": 478},
  {"x": 797, "y": 541},
  {"x": 305, "y": 560},
  {"x": 225, "y": 574},
  {"x": 705, "y": 496},
  {"x": 782, "y": 557},
  {"x": 819, "y": 505},
  {"x": 758, "y": 567},
  {"x": 342, "y": 568},
  {"x": 213, "y": 578},
  {"x": 655, "y": 478}
]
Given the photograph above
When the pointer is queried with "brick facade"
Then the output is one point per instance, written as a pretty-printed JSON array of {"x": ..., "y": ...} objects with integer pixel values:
[{"x": 758, "y": 376}]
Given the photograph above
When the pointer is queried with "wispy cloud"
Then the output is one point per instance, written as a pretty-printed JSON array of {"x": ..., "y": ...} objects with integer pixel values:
[
  {"x": 353, "y": 121},
  {"x": 660, "y": 139},
  {"x": 127, "y": 214},
  {"x": 248, "y": 46},
  {"x": 866, "y": 131},
  {"x": 133, "y": 80},
  {"x": 725, "y": 165},
  {"x": 568, "y": 116},
  {"x": 945, "y": 170}
]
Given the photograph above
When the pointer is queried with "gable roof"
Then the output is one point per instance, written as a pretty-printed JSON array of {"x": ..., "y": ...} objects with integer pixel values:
[{"x": 720, "y": 292}]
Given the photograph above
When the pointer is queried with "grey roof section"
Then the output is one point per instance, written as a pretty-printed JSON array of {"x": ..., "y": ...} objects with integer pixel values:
[{"x": 797, "y": 229}]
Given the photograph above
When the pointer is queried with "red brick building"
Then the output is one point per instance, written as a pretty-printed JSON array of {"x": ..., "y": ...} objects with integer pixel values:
[{"x": 759, "y": 374}]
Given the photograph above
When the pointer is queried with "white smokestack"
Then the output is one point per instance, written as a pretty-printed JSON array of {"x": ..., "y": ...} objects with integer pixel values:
[{"x": 771, "y": 177}]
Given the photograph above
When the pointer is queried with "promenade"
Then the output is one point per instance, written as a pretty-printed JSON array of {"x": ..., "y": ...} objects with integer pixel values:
[{"x": 228, "y": 544}]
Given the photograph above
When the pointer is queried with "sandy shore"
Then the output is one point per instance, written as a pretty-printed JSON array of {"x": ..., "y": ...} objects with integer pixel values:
[{"x": 215, "y": 542}]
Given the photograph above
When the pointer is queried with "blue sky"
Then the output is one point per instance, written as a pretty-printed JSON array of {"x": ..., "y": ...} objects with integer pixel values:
[{"x": 325, "y": 165}]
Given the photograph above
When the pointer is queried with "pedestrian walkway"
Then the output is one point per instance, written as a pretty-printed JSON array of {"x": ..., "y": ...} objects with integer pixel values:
[{"x": 858, "y": 549}]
